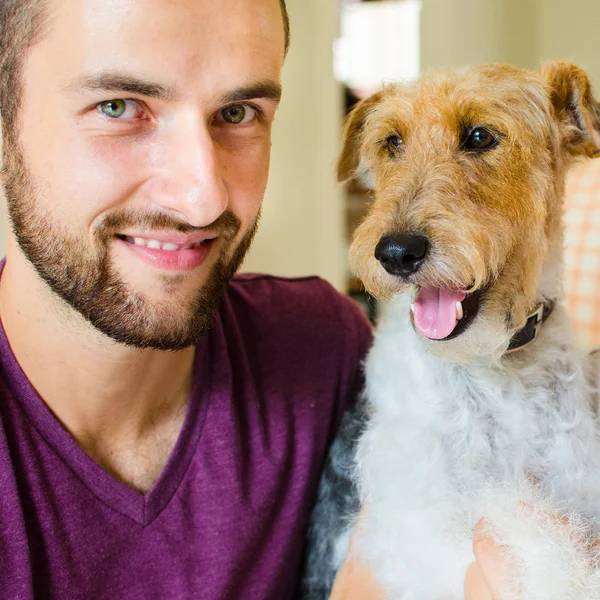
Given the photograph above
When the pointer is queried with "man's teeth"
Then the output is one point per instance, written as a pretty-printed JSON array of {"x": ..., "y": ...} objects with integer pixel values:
[
  {"x": 459, "y": 311},
  {"x": 156, "y": 245}
]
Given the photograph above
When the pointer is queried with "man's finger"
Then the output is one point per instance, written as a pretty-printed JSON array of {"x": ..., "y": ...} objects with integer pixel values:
[
  {"x": 496, "y": 568},
  {"x": 476, "y": 587},
  {"x": 355, "y": 582}
]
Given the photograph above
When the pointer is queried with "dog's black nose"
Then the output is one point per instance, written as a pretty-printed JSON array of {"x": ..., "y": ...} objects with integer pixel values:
[{"x": 402, "y": 254}]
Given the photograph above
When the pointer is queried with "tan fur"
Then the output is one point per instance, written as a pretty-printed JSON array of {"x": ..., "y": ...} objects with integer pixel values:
[{"x": 491, "y": 217}]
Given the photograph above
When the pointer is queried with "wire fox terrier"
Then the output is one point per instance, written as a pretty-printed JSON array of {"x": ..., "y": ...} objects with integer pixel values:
[{"x": 478, "y": 403}]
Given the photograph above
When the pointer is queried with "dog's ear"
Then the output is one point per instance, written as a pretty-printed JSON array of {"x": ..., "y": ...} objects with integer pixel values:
[
  {"x": 576, "y": 108},
  {"x": 350, "y": 157}
]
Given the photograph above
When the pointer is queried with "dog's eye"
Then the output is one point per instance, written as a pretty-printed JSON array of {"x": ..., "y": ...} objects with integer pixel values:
[
  {"x": 479, "y": 139},
  {"x": 393, "y": 144}
]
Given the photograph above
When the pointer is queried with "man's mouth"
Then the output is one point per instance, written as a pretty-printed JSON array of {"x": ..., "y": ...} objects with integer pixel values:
[
  {"x": 443, "y": 314},
  {"x": 170, "y": 252}
]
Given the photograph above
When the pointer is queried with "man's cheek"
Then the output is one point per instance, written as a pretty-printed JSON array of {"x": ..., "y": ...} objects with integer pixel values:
[
  {"x": 117, "y": 166},
  {"x": 248, "y": 158}
]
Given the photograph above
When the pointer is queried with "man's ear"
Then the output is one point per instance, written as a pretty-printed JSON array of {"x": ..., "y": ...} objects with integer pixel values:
[
  {"x": 350, "y": 157},
  {"x": 576, "y": 108}
]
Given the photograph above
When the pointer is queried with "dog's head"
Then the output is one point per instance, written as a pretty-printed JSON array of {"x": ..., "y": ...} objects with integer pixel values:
[{"x": 467, "y": 168}]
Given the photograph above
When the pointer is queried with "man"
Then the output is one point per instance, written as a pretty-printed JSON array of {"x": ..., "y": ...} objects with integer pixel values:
[{"x": 162, "y": 426}]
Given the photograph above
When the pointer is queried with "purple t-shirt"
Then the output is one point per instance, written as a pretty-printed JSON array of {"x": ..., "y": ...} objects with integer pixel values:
[{"x": 228, "y": 516}]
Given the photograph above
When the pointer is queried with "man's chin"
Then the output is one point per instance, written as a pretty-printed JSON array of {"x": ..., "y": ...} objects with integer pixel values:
[
  {"x": 170, "y": 321},
  {"x": 171, "y": 311},
  {"x": 173, "y": 336},
  {"x": 157, "y": 286}
]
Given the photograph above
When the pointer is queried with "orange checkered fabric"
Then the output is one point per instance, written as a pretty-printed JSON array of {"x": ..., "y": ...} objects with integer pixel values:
[{"x": 582, "y": 251}]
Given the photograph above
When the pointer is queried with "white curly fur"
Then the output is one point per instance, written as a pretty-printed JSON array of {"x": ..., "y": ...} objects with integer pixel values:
[{"x": 448, "y": 444}]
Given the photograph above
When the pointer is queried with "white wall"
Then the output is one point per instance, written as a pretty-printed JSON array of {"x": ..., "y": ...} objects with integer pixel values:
[
  {"x": 460, "y": 32},
  {"x": 521, "y": 32},
  {"x": 302, "y": 230},
  {"x": 571, "y": 30}
]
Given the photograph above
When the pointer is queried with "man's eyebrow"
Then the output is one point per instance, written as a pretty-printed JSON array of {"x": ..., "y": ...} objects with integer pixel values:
[
  {"x": 119, "y": 82},
  {"x": 270, "y": 90}
]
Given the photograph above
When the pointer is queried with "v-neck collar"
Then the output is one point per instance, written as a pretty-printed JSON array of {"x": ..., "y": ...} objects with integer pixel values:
[{"x": 142, "y": 508}]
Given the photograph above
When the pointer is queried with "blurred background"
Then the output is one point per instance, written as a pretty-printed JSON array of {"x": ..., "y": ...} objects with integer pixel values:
[{"x": 342, "y": 50}]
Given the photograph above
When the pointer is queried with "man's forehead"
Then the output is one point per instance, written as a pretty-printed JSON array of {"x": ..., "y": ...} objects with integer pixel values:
[{"x": 175, "y": 43}]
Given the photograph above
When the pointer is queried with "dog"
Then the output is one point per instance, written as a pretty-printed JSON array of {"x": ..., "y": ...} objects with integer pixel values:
[{"x": 478, "y": 403}]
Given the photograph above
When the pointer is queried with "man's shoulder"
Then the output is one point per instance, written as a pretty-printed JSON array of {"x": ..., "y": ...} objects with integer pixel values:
[
  {"x": 301, "y": 337},
  {"x": 299, "y": 291},
  {"x": 289, "y": 297},
  {"x": 302, "y": 307}
]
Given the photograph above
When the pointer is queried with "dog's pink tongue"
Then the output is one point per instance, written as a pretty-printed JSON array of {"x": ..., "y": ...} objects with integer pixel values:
[{"x": 435, "y": 312}]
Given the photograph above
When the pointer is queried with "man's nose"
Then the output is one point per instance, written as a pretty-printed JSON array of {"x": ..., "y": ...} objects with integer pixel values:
[{"x": 189, "y": 179}]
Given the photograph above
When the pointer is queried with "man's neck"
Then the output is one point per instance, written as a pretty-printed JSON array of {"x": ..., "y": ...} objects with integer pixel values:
[{"x": 116, "y": 401}]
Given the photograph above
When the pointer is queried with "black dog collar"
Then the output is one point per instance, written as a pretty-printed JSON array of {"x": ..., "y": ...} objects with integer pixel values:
[{"x": 527, "y": 334}]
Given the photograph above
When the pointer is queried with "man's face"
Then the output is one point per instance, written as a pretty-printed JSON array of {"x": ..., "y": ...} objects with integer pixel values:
[{"x": 143, "y": 155}]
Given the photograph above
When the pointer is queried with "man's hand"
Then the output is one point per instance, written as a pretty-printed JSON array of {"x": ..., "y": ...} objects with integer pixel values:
[
  {"x": 483, "y": 580},
  {"x": 355, "y": 582},
  {"x": 486, "y": 579},
  {"x": 489, "y": 574}
]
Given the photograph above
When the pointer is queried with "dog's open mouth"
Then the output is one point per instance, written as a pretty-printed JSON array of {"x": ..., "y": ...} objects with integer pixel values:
[{"x": 443, "y": 314}]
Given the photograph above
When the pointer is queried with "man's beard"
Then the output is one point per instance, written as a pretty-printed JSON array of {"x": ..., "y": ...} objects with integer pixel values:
[{"x": 86, "y": 279}]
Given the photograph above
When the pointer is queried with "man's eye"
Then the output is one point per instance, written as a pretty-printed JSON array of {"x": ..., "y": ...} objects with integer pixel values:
[
  {"x": 237, "y": 114},
  {"x": 120, "y": 109}
]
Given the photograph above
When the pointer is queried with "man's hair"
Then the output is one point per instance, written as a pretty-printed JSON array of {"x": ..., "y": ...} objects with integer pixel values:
[
  {"x": 22, "y": 24},
  {"x": 286, "y": 24}
]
